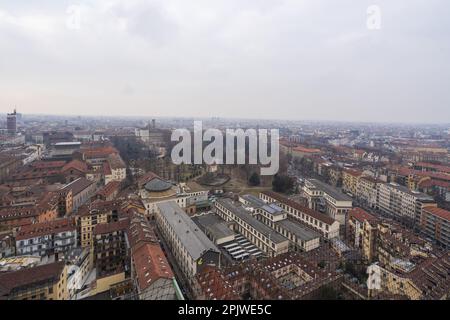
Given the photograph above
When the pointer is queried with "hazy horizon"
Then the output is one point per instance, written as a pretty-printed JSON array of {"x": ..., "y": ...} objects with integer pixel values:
[{"x": 278, "y": 59}]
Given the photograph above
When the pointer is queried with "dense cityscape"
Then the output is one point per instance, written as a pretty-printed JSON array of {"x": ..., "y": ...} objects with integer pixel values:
[
  {"x": 94, "y": 208},
  {"x": 211, "y": 159}
]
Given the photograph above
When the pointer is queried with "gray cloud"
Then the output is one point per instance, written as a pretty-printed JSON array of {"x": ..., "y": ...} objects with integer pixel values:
[{"x": 288, "y": 59}]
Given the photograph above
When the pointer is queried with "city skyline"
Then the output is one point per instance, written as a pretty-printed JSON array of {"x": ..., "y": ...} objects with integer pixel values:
[{"x": 285, "y": 60}]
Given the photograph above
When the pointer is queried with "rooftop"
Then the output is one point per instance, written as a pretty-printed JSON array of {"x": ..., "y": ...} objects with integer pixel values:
[
  {"x": 417, "y": 194},
  {"x": 439, "y": 212},
  {"x": 317, "y": 215},
  {"x": 26, "y": 277},
  {"x": 300, "y": 231},
  {"x": 361, "y": 215},
  {"x": 246, "y": 216},
  {"x": 253, "y": 200},
  {"x": 214, "y": 224},
  {"x": 150, "y": 265},
  {"x": 78, "y": 185},
  {"x": 329, "y": 190},
  {"x": 273, "y": 209},
  {"x": 105, "y": 228},
  {"x": 46, "y": 228},
  {"x": 157, "y": 185},
  {"x": 194, "y": 240}
]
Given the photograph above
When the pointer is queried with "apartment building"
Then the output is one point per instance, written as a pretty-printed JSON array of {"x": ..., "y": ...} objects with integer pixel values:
[
  {"x": 47, "y": 238},
  {"x": 300, "y": 237},
  {"x": 395, "y": 242},
  {"x": 327, "y": 199},
  {"x": 402, "y": 203},
  {"x": 427, "y": 280},
  {"x": 82, "y": 190},
  {"x": 93, "y": 214},
  {"x": 435, "y": 224},
  {"x": 324, "y": 225},
  {"x": 108, "y": 192},
  {"x": 335, "y": 175},
  {"x": 361, "y": 232},
  {"x": 65, "y": 202},
  {"x": 265, "y": 238},
  {"x": 117, "y": 169},
  {"x": 350, "y": 178},
  {"x": 367, "y": 191},
  {"x": 110, "y": 248},
  {"x": 44, "y": 282},
  {"x": 190, "y": 247}
]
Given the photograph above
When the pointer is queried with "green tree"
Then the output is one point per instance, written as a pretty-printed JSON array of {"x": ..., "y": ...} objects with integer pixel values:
[
  {"x": 254, "y": 180},
  {"x": 282, "y": 183}
]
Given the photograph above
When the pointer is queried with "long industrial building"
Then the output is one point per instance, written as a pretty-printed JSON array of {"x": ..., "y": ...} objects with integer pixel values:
[
  {"x": 265, "y": 238},
  {"x": 326, "y": 226},
  {"x": 189, "y": 245},
  {"x": 324, "y": 198}
]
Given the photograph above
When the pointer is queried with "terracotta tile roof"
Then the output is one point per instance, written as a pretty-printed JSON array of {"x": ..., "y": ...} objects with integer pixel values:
[
  {"x": 98, "y": 152},
  {"x": 306, "y": 150},
  {"x": 147, "y": 177},
  {"x": 150, "y": 265},
  {"x": 432, "y": 277},
  {"x": 98, "y": 206},
  {"x": 106, "y": 169},
  {"x": 116, "y": 162},
  {"x": 361, "y": 215},
  {"x": 47, "y": 164},
  {"x": 105, "y": 228},
  {"x": 434, "y": 175},
  {"x": 215, "y": 285},
  {"x": 139, "y": 230},
  {"x": 78, "y": 185},
  {"x": 109, "y": 189},
  {"x": 439, "y": 212},
  {"x": 432, "y": 183},
  {"x": 46, "y": 228},
  {"x": 26, "y": 277},
  {"x": 77, "y": 165},
  {"x": 18, "y": 212},
  {"x": 353, "y": 172},
  {"x": 438, "y": 167}
]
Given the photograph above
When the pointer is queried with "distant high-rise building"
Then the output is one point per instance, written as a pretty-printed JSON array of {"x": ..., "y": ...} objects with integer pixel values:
[{"x": 11, "y": 122}]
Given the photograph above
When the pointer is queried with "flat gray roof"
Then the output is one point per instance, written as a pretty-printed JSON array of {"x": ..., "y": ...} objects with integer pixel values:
[
  {"x": 273, "y": 209},
  {"x": 300, "y": 231},
  {"x": 330, "y": 190},
  {"x": 244, "y": 215},
  {"x": 193, "y": 239},
  {"x": 215, "y": 225},
  {"x": 254, "y": 201}
]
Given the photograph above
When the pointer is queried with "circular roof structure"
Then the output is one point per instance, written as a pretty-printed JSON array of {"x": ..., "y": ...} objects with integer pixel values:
[{"x": 157, "y": 185}]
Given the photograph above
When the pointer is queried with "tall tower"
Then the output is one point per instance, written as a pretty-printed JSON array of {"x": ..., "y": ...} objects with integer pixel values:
[{"x": 11, "y": 122}]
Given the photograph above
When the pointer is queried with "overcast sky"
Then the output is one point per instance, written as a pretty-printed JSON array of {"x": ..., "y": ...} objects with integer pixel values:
[{"x": 279, "y": 59}]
